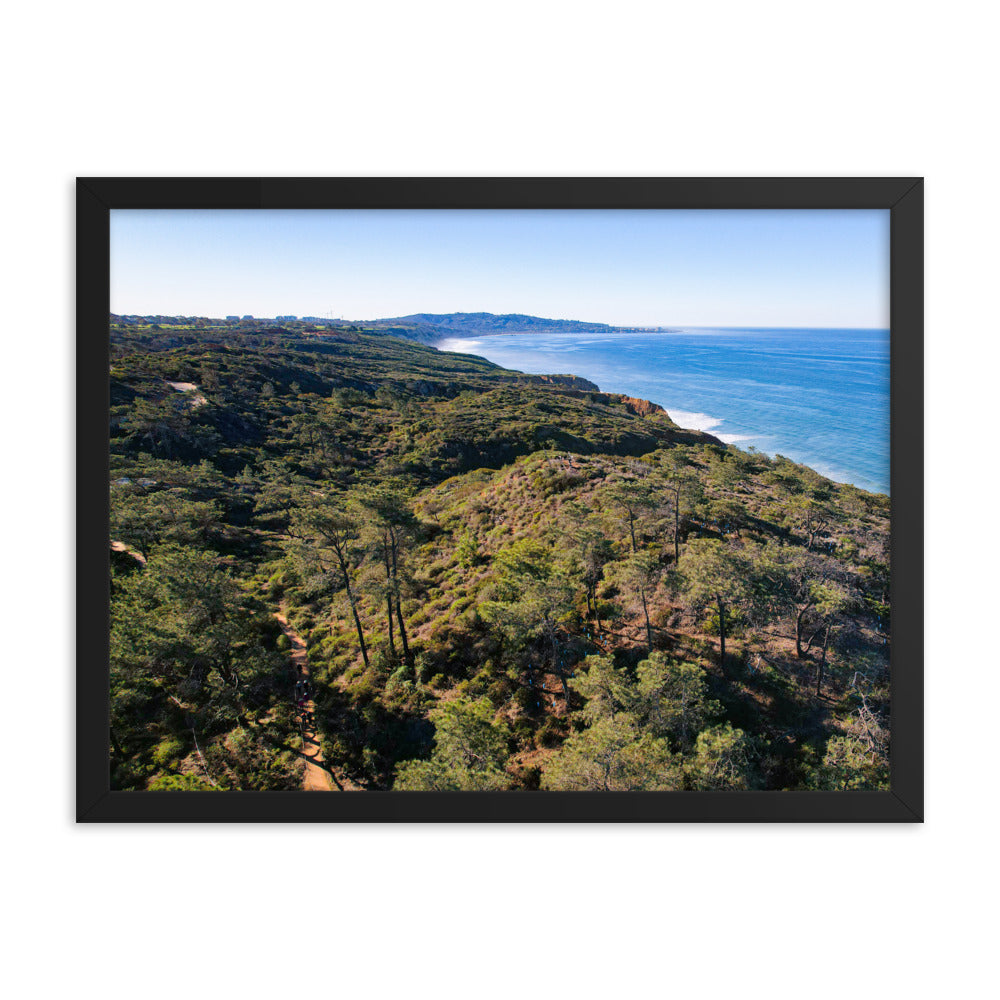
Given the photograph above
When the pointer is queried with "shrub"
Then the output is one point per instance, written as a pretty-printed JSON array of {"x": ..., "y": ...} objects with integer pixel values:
[
  {"x": 281, "y": 580},
  {"x": 421, "y": 667},
  {"x": 317, "y": 635},
  {"x": 499, "y": 691},
  {"x": 303, "y": 621},
  {"x": 399, "y": 675},
  {"x": 467, "y": 550},
  {"x": 523, "y": 730},
  {"x": 168, "y": 751},
  {"x": 531, "y": 777},
  {"x": 550, "y": 734},
  {"x": 363, "y": 690},
  {"x": 181, "y": 783},
  {"x": 383, "y": 662}
]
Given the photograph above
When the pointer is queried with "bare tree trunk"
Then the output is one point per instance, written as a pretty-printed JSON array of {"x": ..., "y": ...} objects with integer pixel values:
[
  {"x": 388, "y": 618},
  {"x": 353, "y": 603},
  {"x": 388, "y": 596},
  {"x": 812, "y": 638},
  {"x": 799, "y": 618},
  {"x": 399, "y": 603},
  {"x": 357, "y": 625},
  {"x": 402, "y": 633},
  {"x": 645, "y": 611}
]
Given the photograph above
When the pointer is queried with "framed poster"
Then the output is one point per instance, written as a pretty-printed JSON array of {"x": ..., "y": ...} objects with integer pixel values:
[{"x": 469, "y": 499}]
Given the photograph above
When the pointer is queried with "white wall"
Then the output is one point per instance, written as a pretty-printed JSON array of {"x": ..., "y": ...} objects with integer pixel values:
[{"x": 724, "y": 88}]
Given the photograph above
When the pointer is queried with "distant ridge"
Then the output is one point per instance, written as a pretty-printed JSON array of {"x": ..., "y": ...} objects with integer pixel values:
[
  {"x": 484, "y": 322},
  {"x": 426, "y": 328}
]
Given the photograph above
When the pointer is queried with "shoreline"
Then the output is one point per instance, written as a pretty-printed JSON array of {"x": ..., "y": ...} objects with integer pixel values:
[{"x": 706, "y": 424}]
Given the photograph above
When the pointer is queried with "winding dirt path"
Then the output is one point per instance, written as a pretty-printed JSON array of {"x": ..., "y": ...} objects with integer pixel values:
[{"x": 317, "y": 778}]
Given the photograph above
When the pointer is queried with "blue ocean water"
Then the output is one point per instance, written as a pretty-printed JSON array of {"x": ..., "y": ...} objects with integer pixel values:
[{"x": 819, "y": 397}]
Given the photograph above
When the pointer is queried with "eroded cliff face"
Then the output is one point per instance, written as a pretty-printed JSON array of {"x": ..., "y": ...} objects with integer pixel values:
[
  {"x": 641, "y": 407},
  {"x": 680, "y": 435}
]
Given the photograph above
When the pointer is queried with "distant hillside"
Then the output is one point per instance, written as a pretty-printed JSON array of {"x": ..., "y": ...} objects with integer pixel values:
[
  {"x": 483, "y": 322},
  {"x": 422, "y": 327}
]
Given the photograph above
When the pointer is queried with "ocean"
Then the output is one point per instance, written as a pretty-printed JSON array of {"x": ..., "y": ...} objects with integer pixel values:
[{"x": 819, "y": 397}]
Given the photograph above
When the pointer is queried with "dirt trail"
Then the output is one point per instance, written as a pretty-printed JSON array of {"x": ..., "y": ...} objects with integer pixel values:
[
  {"x": 122, "y": 547},
  {"x": 317, "y": 778},
  {"x": 195, "y": 400}
]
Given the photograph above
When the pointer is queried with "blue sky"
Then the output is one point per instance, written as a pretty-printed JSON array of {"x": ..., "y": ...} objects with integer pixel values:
[{"x": 645, "y": 268}]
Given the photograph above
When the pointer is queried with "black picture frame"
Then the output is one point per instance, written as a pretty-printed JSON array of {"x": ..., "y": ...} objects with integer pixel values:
[{"x": 96, "y": 197}]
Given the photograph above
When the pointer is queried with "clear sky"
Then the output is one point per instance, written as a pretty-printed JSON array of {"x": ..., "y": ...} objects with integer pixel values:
[{"x": 644, "y": 268}]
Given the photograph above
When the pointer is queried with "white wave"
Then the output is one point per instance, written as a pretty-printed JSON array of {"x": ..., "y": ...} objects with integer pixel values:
[
  {"x": 693, "y": 421},
  {"x": 733, "y": 438},
  {"x": 459, "y": 345}
]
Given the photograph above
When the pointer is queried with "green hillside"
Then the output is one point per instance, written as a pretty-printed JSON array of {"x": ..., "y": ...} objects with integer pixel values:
[
  {"x": 503, "y": 581},
  {"x": 452, "y": 324}
]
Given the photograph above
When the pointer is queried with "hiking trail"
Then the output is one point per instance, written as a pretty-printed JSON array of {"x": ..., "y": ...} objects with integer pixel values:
[{"x": 318, "y": 777}]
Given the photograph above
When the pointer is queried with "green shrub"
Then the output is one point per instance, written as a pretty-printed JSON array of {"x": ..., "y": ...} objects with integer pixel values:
[
  {"x": 181, "y": 783},
  {"x": 499, "y": 691},
  {"x": 363, "y": 690},
  {"x": 317, "y": 635},
  {"x": 524, "y": 731},
  {"x": 168, "y": 751},
  {"x": 467, "y": 550}
]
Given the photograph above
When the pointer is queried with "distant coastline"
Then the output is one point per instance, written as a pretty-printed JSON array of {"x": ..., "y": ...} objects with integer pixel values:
[{"x": 817, "y": 396}]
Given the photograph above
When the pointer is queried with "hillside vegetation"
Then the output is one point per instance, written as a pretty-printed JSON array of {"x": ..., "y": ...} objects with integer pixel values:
[
  {"x": 504, "y": 581},
  {"x": 450, "y": 324}
]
